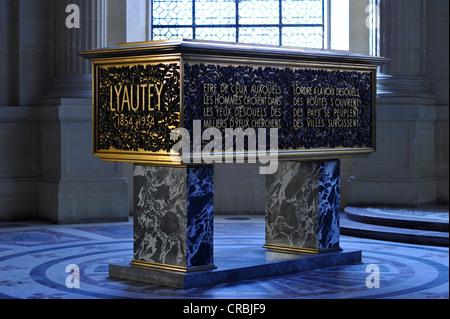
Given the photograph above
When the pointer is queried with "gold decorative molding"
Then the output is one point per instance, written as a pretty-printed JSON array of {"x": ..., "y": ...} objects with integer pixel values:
[{"x": 170, "y": 268}]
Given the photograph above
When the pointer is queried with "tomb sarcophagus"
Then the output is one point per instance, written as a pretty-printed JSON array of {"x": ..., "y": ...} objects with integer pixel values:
[
  {"x": 175, "y": 108},
  {"x": 321, "y": 103}
]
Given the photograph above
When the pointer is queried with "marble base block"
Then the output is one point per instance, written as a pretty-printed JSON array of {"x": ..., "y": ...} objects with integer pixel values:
[
  {"x": 302, "y": 207},
  {"x": 173, "y": 223},
  {"x": 173, "y": 227},
  {"x": 259, "y": 263}
]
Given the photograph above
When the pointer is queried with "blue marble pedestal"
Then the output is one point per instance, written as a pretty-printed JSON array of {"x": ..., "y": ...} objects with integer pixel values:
[
  {"x": 173, "y": 222},
  {"x": 173, "y": 227},
  {"x": 302, "y": 207}
]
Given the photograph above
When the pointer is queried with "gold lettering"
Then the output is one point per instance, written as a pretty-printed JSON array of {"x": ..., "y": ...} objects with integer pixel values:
[
  {"x": 135, "y": 97},
  {"x": 118, "y": 94},
  {"x": 143, "y": 87},
  {"x": 158, "y": 92},
  {"x": 135, "y": 107},
  {"x": 111, "y": 108},
  {"x": 126, "y": 98},
  {"x": 131, "y": 97},
  {"x": 150, "y": 95}
]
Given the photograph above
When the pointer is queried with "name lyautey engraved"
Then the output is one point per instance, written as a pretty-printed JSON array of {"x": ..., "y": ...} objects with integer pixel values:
[{"x": 134, "y": 97}]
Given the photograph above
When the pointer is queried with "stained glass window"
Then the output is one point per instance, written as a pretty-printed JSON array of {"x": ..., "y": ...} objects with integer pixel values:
[{"x": 279, "y": 22}]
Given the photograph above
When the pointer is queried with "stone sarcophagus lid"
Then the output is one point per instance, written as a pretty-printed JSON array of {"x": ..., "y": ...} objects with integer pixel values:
[{"x": 314, "y": 104}]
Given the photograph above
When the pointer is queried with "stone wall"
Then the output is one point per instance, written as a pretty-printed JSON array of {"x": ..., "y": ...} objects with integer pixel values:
[
  {"x": 48, "y": 170},
  {"x": 410, "y": 167}
]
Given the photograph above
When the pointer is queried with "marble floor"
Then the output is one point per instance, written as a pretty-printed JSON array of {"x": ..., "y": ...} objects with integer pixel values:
[{"x": 34, "y": 257}]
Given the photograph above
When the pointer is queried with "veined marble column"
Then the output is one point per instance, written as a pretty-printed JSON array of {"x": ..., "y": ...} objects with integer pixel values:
[
  {"x": 173, "y": 222},
  {"x": 302, "y": 207},
  {"x": 401, "y": 172}
]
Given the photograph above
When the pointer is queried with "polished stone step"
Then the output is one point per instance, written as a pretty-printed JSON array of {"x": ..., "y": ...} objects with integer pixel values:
[
  {"x": 433, "y": 220},
  {"x": 406, "y": 235}
]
